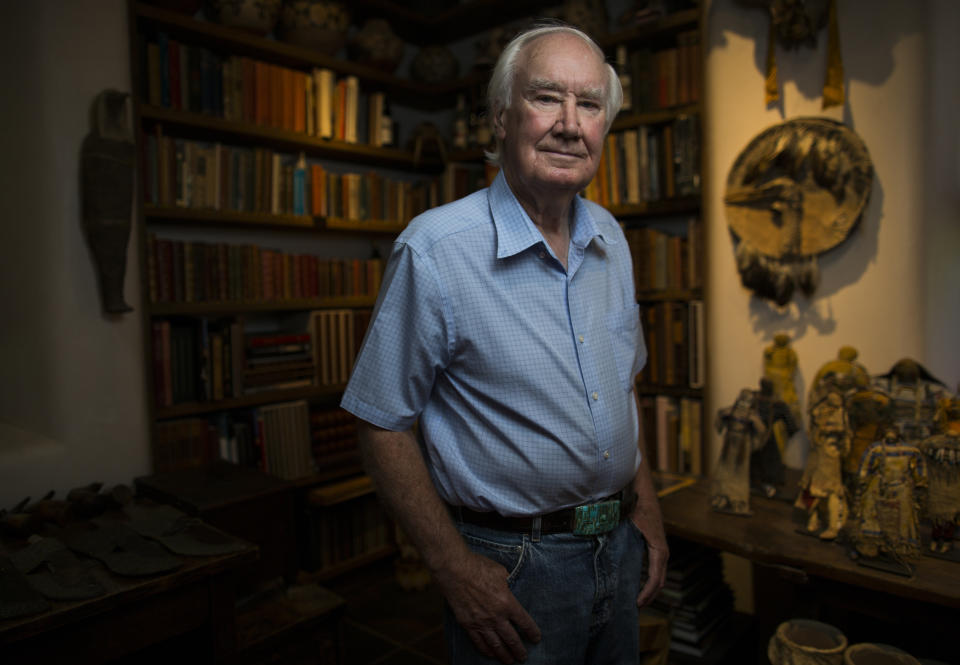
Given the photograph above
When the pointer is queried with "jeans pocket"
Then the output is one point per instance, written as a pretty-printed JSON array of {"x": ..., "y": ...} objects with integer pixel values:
[
  {"x": 509, "y": 555},
  {"x": 627, "y": 346}
]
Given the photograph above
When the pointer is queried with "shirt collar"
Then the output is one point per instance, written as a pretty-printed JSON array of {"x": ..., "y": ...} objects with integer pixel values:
[{"x": 517, "y": 232}]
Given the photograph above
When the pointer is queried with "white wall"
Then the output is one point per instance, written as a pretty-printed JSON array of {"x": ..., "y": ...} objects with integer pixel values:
[
  {"x": 72, "y": 396},
  {"x": 892, "y": 289}
]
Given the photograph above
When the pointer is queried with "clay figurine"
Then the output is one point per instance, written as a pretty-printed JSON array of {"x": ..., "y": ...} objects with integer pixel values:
[
  {"x": 780, "y": 367},
  {"x": 744, "y": 431},
  {"x": 891, "y": 483},
  {"x": 821, "y": 485},
  {"x": 914, "y": 395},
  {"x": 843, "y": 374},
  {"x": 942, "y": 454},
  {"x": 767, "y": 471}
]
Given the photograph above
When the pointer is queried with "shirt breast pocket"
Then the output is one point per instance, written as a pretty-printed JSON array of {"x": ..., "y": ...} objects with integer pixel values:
[{"x": 629, "y": 351}]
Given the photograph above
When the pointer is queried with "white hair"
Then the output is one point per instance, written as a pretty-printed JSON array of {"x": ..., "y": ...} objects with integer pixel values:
[{"x": 500, "y": 88}]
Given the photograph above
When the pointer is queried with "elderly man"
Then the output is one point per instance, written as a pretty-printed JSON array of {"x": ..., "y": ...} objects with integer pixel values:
[{"x": 507, "y": 330}]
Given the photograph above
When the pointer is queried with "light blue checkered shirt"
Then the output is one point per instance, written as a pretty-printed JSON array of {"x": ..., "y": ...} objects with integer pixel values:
[{"x": 521, "y": 373}]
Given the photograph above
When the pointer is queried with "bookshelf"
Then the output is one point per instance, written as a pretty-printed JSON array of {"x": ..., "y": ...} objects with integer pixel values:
[
  {"x": 235, "y": 238},
  {"x": 650, "y": 180}
]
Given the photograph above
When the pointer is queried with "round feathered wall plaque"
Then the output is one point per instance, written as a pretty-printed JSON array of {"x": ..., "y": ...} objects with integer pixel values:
[{"x": 796, "y": 191}]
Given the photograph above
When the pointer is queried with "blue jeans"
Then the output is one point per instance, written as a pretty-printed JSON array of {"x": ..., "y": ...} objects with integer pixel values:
[{"x": 582, "y": 592}]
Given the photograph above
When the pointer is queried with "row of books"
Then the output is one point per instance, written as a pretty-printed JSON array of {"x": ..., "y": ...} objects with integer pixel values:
[
  {"x": 674, "y": 333},
  {"x": 186, "y": 77},
  {"x": 185, "y": 271},
  {"x": 648, "y": 163},
  {"x": 665, "y": 260},
  {"x": 290, "y": 440},
  {"x": 337, "y": 534},
  {"x": 333, "y": 436},
  {"x": 666, "y": 77},
  {"x": 695, "y": 597},
  {"x": 202, "y": 360},
  {"x": 213, "y": 176},
  {"x": 673, "y": 431}
]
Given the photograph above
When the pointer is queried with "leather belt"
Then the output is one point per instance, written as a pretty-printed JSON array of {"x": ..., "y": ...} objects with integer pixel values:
[{"x": 564, "y": 520}]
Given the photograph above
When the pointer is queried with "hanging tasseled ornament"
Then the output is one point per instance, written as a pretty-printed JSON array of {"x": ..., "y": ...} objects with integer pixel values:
[{"x": 796, "y": 191}]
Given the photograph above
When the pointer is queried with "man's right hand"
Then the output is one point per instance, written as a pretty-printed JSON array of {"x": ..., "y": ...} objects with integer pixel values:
[{"x": 476, "y": 589}]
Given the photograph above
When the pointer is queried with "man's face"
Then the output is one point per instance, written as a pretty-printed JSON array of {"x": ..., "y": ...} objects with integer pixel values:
[{"x": 553, "y": 132}]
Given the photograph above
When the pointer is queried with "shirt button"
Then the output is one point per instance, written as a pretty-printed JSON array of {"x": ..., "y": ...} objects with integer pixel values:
[
  {"x": 606, "y": 454},
  {"x": 543, "y": 254},
  {"x": 596, "y": 396},
  {"x": 581, "y": 339}
]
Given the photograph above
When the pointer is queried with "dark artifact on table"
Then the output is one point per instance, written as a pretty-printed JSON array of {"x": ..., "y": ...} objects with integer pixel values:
[
  {"x": 257, "y": 16},
  {"x": 767, "y": 471},
  {"x": 744, "y": 432},
  {"x": 317, "y": 24},
  {"x": 796, "y": 191},
  {"x": 869, "y": 412},
  {"x": 942, "y": 453},
  {"x": 891, "y": 486},
  {"x": 914, "y": 394},
  {"x": 822, "y": 493},
  {"x": 843, "y": 374},
  {"x": 107, "y": 167}
]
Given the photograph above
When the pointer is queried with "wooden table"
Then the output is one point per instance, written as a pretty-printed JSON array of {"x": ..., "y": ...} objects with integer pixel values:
[
  {"x": 798, "y": 575},
  {"x": 193, "y": 607}
]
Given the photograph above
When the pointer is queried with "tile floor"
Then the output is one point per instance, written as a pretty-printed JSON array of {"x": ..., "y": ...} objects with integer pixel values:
[{"x": 386, "y": 625}]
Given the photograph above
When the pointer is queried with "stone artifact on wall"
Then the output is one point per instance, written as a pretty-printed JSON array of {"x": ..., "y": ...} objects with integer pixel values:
[
  {"x": 796, "y": 191},
  {"x": 107, "y": 167},
  {"x": 744, "y": 432},
  {"x": 822, "y": 493},
  {"x": 891, "y": 486},
  {"x": 794, "y": 24}
]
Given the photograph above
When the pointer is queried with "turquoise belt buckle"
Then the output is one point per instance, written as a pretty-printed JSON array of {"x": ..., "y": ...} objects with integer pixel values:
[{"x": 596, "y": 518}]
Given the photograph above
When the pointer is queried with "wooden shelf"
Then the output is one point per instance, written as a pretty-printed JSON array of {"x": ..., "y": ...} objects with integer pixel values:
[
  {"x": 230, "y": 218},
  {"x": 664, "y": 27},
  {"x": 345, "y": 490},
  {"x": 209, "y": 128},
  {"x": 653, "y": 117},
  {"x": 666, "y": 207},
  {"x": 660, "y": 295},
  {"x": 267, "y": 397},
  {"x": 337, "y": 569},
  {"x": 672, "y": 391},
  {"x": 229, "y": 308}
]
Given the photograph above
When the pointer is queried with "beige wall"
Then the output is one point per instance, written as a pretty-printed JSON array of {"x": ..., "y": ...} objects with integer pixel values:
[
  {"x": 72, "y": 407},
  {"x": 889, "y": 289}
]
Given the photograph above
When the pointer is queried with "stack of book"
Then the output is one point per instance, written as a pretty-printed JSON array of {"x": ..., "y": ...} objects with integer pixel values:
[
  {"x": 278, "y": 361},
  {"x": 284, "y": 433},
  {"x": 337, "y": 334},
  {"x": 696, "y": 598},
  {"x": 333, "y": 436}
]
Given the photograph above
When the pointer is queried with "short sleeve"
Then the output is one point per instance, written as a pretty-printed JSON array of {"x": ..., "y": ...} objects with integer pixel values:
[{"x": 405, "y": 347}]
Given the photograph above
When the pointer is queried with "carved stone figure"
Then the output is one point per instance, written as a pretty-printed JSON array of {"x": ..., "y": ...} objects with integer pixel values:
[
  {"x": 744, "y": 431},
  {"x": 821, "y": 485},
  {"x": 107, "y": 166},
  {"x": 780, "y": 367},
  {"x": 796, "y": 191},
  {"x": 942, "y": 453},
  {"x": 891, "y": 482}
]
